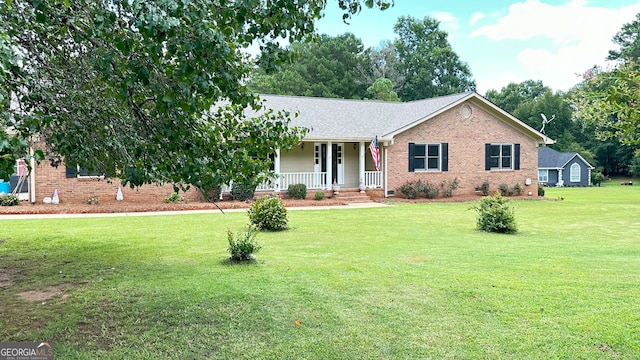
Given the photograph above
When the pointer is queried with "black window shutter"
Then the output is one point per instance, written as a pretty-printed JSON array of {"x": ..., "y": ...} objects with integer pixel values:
[
  {"x": 412, "y": 155},
  {"x": 445, "y": 156},
  {"x": 70, "y": 172},
  {"x": 487, "y": 156},
  {"x": 516, "y": 156}
]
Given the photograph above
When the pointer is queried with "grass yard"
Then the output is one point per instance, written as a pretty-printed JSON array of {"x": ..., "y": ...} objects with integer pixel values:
[{"x": 408, "y": 281}]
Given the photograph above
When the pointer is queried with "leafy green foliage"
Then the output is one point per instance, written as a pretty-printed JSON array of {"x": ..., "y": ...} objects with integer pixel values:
[
  {"x": 243, "y": 191},
  {"x": 449, "y": 186},
  {"x": 428, "y": 63},
  {"x": 297, "y": 191},
  {"x": 382, "y": 89},
  {"x": 268, "y": 213},
  {"x": 155, "y": 92},
  {"x": 628, "y": 42},
  {"x": 413, "y": 189},
  {"x": 319, "y": 195},
  {"x": 495, "y": 215},
  {"x": 597, "y": 178},
  {"x": 484, "y": 188},
  {"x": 540, "y": 190},
  {"x": 329, "y": 67},
  {"x": 174, "y": 198},
  {"x": 8, "y": 200},
  {"x": 243, "y": 246}
]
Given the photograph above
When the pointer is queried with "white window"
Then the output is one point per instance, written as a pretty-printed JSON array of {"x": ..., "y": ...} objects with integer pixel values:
[
  {"x": 500, "y": 156},
  {"x": 427, "y": 157},
  {"x": 575, "y": 172},
  {"x": 543, "y": 176}
]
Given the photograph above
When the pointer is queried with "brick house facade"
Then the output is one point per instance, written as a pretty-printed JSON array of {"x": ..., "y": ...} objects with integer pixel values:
[
  {"x": 466, "y": 129},
  {"x": 461, "y": 136}
]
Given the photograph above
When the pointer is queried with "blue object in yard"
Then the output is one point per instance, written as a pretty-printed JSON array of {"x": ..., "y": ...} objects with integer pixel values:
[{"x": 4, "y": 187}]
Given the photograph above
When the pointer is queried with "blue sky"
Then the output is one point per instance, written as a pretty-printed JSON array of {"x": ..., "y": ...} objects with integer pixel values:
[{"x": 506, "y": 41}]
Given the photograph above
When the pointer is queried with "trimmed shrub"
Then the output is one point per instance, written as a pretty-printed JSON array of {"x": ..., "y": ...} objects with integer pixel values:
[
  {"x": 8, "y": 200},
  {"x": 319, "y": 195},
  {"x": 243, "y": 191},
  {"x": 504, "y": 190},
  {"x": 540, "y": 190},
  {"x": 268, "y": 213},
  {"x": 517, "y": 190},
  {"x": 243, "y": 246},
  {"x": 410, "y": 189},
  {"x": 484, "y": 188},
  {"x": 449, "y": 186},
  {"x": 495, "y": 215},
  {"x": 429, "y": 190},
  {"x": 174, "y": 198},
  {"x": 297, "y": 191},
  {"x": 597, "y": 178}
]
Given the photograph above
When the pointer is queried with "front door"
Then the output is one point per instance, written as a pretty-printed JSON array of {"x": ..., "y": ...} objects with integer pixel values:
[
  {"x": 337, "y": 163},
  {"x": 319, "y": 163}
]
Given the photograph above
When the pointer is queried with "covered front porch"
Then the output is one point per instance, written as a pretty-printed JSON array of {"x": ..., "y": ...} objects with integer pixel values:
[{"x": 321, "y": 164}]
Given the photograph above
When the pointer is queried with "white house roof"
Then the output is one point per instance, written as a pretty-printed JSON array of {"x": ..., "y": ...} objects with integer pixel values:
[{"x": 361, "y": 120}]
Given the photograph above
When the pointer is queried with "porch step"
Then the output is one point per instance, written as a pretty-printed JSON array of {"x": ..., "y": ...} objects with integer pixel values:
[{"x": 352, "y": 196}]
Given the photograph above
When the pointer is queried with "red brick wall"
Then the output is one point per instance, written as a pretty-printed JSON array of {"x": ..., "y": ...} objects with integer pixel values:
[
  {"x": 466, "y": 138},
  {"x": 78, "y": 190}
]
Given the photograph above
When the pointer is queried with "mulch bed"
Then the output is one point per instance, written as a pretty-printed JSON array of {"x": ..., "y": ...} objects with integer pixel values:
[{"x": 128, "y": 206}]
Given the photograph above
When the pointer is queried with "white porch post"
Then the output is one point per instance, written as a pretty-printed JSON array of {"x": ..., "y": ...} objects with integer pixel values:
[
  {"x": 559, "y": 176},
  {"x": 329, "y": 165},
  {"x": 361, "y": 164},
  {"x": 276, "y": 169}
]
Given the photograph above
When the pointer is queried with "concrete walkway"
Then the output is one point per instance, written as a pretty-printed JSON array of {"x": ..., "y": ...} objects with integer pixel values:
[{"x": 179, "y": 212}]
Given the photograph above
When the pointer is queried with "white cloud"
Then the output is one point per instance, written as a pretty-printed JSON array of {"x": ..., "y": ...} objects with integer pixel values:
[
  {"x": 477, "y": 16},
  {"x": 447, "y": 20},
  {"x": 579, "y": 37}
]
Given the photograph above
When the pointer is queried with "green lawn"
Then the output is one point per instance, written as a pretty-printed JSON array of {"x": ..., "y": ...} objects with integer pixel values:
[{"x": 408, "y": 281}]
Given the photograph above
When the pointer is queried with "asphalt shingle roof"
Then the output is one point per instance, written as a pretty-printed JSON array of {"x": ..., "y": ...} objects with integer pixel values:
[
  {"x": 549, "y": 158},
  {"x": 356, "y": 119}
]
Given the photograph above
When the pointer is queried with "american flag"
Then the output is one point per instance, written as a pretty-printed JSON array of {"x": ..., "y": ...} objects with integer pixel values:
[{"x": 375, "y": 152}]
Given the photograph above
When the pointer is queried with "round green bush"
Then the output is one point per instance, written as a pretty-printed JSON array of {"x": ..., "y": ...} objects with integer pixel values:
[
  {"x": 268, "y": 213},
  {"x": 319, "y": 195},
  {"x": 297, "y": 191},
  {"x": 243, "y": 191},
  {"x": 495, "y": 215}
]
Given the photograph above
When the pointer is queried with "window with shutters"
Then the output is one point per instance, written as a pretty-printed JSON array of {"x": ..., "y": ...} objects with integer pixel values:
[
  {"x": 81, "y": 173},
  {"x": 502, "y": 157},
  {"x": 428, "y": 157}
]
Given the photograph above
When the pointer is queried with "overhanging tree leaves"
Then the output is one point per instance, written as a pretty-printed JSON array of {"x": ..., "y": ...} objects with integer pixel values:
[{"x": 124, "y": 88}]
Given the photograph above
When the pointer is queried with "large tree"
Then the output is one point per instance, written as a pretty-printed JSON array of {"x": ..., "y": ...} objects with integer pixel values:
[
  {"x": 427, "y": 62},
  {"x": 628, "y": 41},
  {"x": 510, "y": 97},
  {"x": 328, "y": 67},
  {"x": 125, "y": 87}
]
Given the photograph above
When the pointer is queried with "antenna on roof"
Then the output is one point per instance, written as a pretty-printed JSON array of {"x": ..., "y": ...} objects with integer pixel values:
[{"x": 545, "y": 121}]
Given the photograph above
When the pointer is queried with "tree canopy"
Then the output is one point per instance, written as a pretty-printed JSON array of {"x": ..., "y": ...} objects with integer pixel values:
[
  {"x": 428, "y": 64},
  {"x": 125, "y": 88},
  {"x": 328, "y": 67}
]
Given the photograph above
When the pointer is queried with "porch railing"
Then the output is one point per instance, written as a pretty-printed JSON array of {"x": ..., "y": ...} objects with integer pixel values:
[
  {"x": 313, "y": 181},
  {"x": 373, "y": 179}
]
